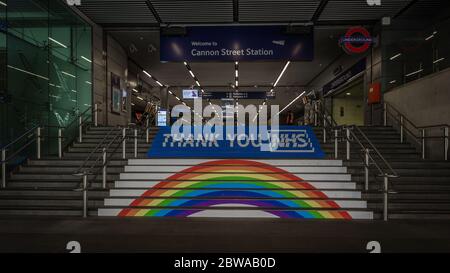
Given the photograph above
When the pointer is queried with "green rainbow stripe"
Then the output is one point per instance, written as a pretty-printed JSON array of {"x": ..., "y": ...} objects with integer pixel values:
[{"x": 235, "y": 189}]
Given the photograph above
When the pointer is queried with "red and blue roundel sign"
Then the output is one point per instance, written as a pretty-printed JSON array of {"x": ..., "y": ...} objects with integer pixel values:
[{"x": 356, "y": 40}]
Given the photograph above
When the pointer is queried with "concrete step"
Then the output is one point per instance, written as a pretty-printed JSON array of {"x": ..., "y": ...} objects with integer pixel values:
[
  {"x": 242, "y": 213},
  {"x": 129, "y": 149},
  {"x": 54, "y": 176},
  {"x": 51, "y": 192},
  {"x": 146, "y": 184},
  {"x": 71, "y": 162},
  {"x": 242, "y": 192},
  {"x": 162, "y": 176},
  {"x": 48, "y": 202},
  {"x": 263, "y": 203},
  {"x": 52, "y": 184},
  {"x": 62, "y": 169},
  {"x": 214, "y": 162},
  {"x": 46, "y": 211},
  {"x": 238, "y": 169}
]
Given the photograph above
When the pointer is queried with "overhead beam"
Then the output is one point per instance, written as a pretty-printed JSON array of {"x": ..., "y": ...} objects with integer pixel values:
[
  {"x": 405, "y": 8},
  {"x": 236, "y": 11},
  {"x": 319, "y": 10},
  {"x": 154, "y": 12},
  {"x": 319, "y": 23}
]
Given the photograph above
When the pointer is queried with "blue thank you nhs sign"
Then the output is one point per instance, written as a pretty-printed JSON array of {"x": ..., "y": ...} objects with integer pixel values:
[
  {"x": 291, "y": 142},
  {"x": 237, "y": 43}
]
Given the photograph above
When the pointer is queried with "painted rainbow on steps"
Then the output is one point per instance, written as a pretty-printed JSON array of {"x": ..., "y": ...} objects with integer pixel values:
[{"x": 226, "y": 183}]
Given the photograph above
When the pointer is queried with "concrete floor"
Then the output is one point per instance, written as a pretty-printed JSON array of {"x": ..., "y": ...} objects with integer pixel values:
[{"x": 220, "y": 235}]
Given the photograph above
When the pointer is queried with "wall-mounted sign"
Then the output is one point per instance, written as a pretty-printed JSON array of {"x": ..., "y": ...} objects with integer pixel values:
[
  {"x": 374, "y": 95},
  {"x": 356, "y": 40},
  {"x": 237, "y": 43},
  {"x": 255, "y": 95},
  {"x": 293, "y": 142},
  {"x": 190, "y": 93},
  {"x": 161, "y": 118},
  {"x": 116, "y": 93},
  {"x": 344, "y": 77}
]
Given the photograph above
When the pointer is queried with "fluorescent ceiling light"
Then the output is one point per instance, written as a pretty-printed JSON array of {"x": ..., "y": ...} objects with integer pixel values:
[
  {"x": 135, "y": 90},
  {"x": 237, "y": 73},
  {"x": 197, "y": 83},
  {"x": 395, "y": 56},
  {"x": 170, "y": 92},
  {"x": 86, "y": 59},
  {"x": 294, "y": 100},
  {"x": 203, "y": 91},
  {"x": 160, "y": 84},
  {"x": 429, "y": 37},
  {"x": 75, "y": 91},
  {"x": 68, "y": 74},
  {"x": 146, "y": 73},
  {"x": 132, "y": 104},
  {"x": 177, "y": 98},
  {"x": 192, "y": 74},
  {"x": 348, "y": 94},
  {"x": 88, "y": 82},
  {"x": 185, "y": 63},
  {"x": 28, "y": 72},
  {"x": 392, "y": 82},
  {"x": 282, "y": 72},
  {"x": 3, "y": 4},
  {"x": 413, "y": 73},
  {"x": 237, "y": 83},
  {"x": 439, "y": 60},
  {"x": 139, "y": 98},
  {"x": 56, "y": 42}
]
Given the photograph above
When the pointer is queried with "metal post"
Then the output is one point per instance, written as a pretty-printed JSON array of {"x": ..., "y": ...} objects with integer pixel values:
[
  {"x": 59, "y": 143},
  {"x": 423, "y": 143},
  {"x": 85, "y": 201},
  {"x": 124, "y": 132},
  {"x": 96, "y": 114},
  {"x": 446, "y": 143},
  {"x": 336, "y": 143},
  {"x": 401, "y": 129},
  {"x": 135, "y": 143},
  {"x": 385, "y": 199},
  {"x": 146, "y": 132},
  {"x": 348, "y": 142},
  {"x": 324, "y": 130},
  {"x": 385, "y": 113},
  {"x": 80, "y": 129},
  {"x": 104, "y": 169},
  {"x": 38, "y": 143},
  {"x": 366, "y": 170},
  {"x": 3, "y": 168}
]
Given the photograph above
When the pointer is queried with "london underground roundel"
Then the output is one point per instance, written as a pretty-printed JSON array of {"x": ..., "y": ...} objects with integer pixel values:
[{"x": 356, "y": 40}]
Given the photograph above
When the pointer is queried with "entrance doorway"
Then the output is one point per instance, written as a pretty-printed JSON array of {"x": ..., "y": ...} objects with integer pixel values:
[{"x": 347, "y": 104}]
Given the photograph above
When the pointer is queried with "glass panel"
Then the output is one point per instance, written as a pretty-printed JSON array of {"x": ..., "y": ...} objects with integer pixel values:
[{"x": 48, "y": 82}]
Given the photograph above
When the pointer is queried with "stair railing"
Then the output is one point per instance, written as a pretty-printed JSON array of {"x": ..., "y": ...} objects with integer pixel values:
[
  {"x": 347, "y": 133},
  {"x": 417, "y": 133},
  {"x": 101, "y": 161}
]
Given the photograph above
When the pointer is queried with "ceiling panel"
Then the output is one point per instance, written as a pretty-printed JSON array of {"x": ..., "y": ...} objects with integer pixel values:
[
  {"x": 183, "y": 11},
  {"x": 117, "y": 12},
  {"x": 277, "y": 10},
  {"x": 348, "y": 10}
]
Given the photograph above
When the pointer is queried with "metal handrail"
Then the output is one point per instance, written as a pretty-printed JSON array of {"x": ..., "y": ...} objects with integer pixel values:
[
  {"x": 84, "y": 170},
  {"x": 19, "y": 138},
  {"x": 421, "y": 137},
  {"x": 386, "y": 173},
  {"x": 83, "y": 164},
  {"x": 393, "y": 172}
]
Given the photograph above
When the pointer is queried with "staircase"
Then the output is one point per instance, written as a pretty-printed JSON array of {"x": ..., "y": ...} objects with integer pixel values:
[
  {"x": 46, "y": 186},
  {"x": 421, "y": 192},
  {"x": 310, "y": 189}
]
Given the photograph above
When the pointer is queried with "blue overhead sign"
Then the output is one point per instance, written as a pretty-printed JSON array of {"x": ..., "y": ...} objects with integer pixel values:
[
  {"x": 237, "y": 43},
  {"x": 293, "y": 142},
  {"x": 254, "y": 95},
  {"x": 344, "y": 77}
]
